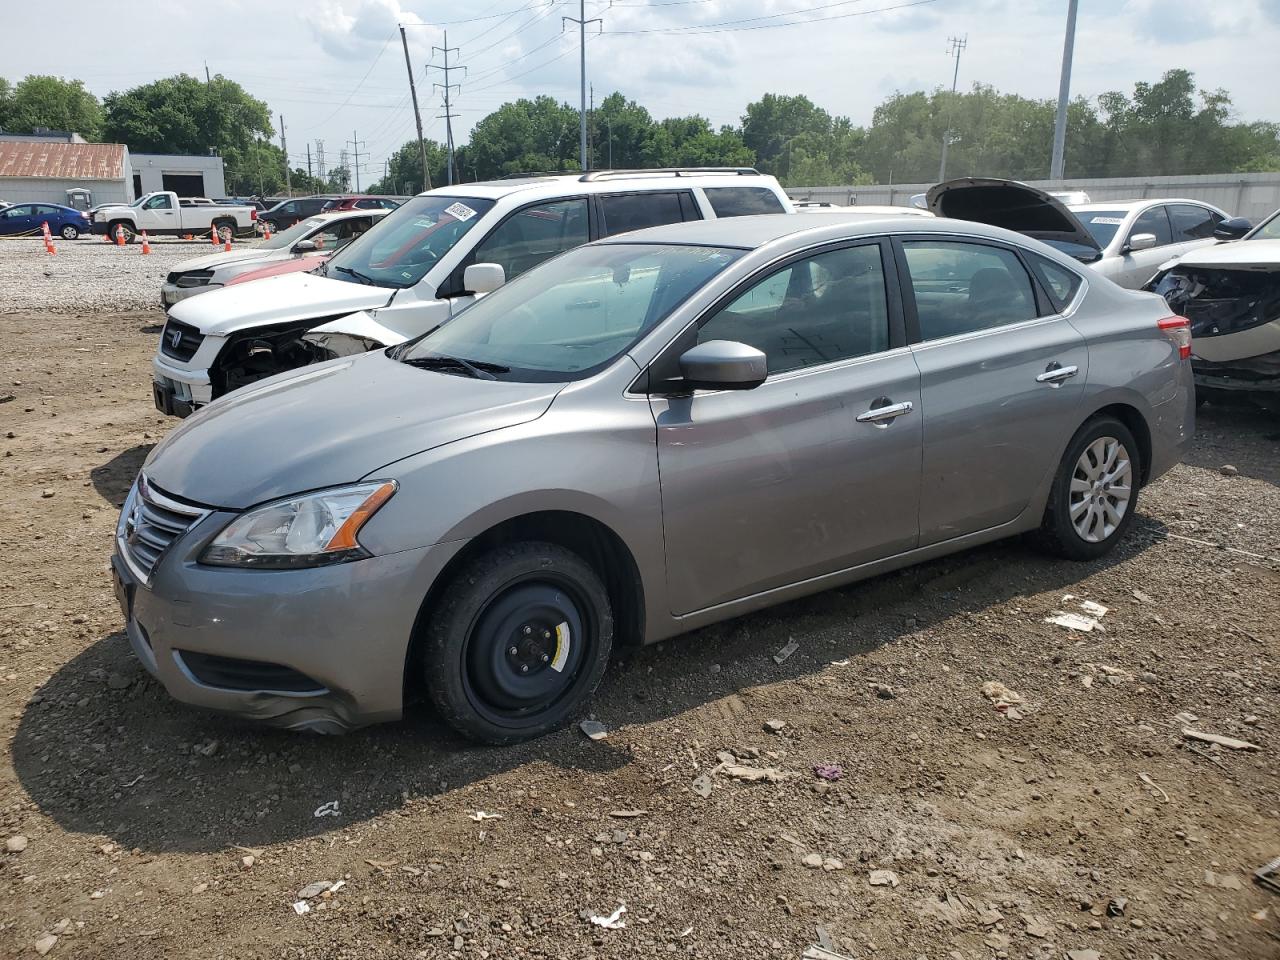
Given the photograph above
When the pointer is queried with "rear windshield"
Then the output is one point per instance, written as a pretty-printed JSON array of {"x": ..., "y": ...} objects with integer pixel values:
[
  {"x": 400, "y": 249},
  {"x": 1218, "y": 301},
  {"x": 574, "y": 314},
  {"x": 1101, "y": 224}
]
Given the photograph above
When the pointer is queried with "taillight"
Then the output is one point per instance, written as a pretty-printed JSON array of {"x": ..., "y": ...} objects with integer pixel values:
[
  {"x": 253, "y": 213},
  {"x": 1178, "y": 329}
]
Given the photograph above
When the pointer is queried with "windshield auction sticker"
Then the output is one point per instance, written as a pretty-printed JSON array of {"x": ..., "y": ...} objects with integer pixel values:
[
  {"x": 1112, "y": 221},
  {"x": 460, "y": 211}
]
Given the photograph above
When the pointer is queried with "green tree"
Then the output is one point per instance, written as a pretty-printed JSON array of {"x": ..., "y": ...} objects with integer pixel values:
[
  {"x": 404, "y": 169},
  {"x": 40, "y": 101},
  {"x": 526, "y": 135}
]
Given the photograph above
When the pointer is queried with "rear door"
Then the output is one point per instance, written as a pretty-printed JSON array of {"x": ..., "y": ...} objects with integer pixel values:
[
  {"x": 1002, "y": 374},
  {"x": 818, "y": 468}
]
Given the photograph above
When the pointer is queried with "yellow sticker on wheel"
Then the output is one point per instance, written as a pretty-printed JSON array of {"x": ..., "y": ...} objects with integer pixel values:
[{"x": 564, "y": 641}]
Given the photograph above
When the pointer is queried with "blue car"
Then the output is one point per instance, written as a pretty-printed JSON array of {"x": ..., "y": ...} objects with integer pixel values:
[{"x": 27, "y": 220}]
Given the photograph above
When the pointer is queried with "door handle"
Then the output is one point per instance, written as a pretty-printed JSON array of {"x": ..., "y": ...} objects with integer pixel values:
[
  {"x": 1055, "y": 374},
  {"x": 886, "y": 413}
]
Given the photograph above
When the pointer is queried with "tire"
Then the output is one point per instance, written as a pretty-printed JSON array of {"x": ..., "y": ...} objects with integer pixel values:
[
  {"x": 129, "y": 234},
  {"x": 1086, "y": 486},
  {"x": 226, "y": 230},
  {"x": 69, "y": 232},
  {"x": 503, "y": 623}
]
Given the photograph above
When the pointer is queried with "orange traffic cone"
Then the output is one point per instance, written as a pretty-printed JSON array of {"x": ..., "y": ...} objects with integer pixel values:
[
  {"x": 146, "y": 244},
  {"x": 119, "y": 236},
  {"x": 213, "y": 236},
  {"x": 106, "y": 236},
  {"x": 266, "y": 231},
  {"x": 226, "y": 247}
]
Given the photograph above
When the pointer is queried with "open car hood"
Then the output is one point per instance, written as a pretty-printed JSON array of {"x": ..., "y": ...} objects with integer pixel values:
[{"x": 1014, "y": 206}]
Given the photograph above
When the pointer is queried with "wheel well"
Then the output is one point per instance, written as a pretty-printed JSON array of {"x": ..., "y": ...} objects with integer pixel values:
[
  {"x": 1137, "y": 425},
  {"x": 590, "y": 539}
]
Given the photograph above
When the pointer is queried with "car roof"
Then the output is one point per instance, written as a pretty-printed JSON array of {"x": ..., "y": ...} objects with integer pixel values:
[
  {"x": 607, "y": 181},
  {"x": 748, "y": 233},
  {"x": 1130, "y": 205}
]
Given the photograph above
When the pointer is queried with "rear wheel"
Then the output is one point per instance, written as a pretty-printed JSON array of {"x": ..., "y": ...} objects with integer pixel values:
[
  {"x": 518, "y": 643},
  {"x": 69, "y": 232},
  {"x": 1095, "y": 493}
]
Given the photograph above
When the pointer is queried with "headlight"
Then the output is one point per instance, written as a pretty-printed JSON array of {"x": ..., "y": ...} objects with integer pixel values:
[{"x": 307, "y": 531}]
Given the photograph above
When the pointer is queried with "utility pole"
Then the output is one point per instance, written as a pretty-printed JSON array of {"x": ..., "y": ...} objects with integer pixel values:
[
  {"x": 1064, "y": 95},
  {"x": 417, "y": 116},
  {"x": 309, "y": 174},
  {"x": 591, "y": 134},
  {"x": 582, "y": 21},
  {"x": 446, "y": 87},
  {"x": 207, "y": 78},
  {"x": 288, "y": 185},
  {"x": 957, "y": 45},
  {"x": 355, "y": 153}
]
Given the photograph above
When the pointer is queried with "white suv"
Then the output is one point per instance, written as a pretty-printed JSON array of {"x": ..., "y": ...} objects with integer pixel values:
[{"x": 422, "y": 264}]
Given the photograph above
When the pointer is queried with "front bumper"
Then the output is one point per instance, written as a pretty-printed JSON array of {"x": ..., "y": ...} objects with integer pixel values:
[
  {"x": 177, "y": 391},
  {"x": 346, "y": 628},
  {"x": 171, "y": 293}
]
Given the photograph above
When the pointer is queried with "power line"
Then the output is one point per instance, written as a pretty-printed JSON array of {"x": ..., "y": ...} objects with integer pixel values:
[{"x": 712, "y": 28}]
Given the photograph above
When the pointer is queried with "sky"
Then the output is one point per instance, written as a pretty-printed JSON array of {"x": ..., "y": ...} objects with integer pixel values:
[{"x": 336, "y": 69}]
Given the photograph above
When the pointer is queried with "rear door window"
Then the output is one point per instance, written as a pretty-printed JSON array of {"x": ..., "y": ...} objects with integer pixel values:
[
  {"x": 1191, "y": 222},
  {"x": 534, "y": 234},
  {"x": 964, "y": 287},
  {"x": 743, "y": 201},
  {"x": 624, "y": 212},
  {"x": 1155, "y": 221}
]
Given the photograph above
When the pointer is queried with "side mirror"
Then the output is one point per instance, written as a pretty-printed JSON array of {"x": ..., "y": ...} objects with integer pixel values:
[
  {"x": 1140, "y": 241},
  {"x": 305, "y": 246},
  {"x": 723, "y": 365},
  {"x": 1232, "y": 229},
  {"x": 483, "y": 277}
]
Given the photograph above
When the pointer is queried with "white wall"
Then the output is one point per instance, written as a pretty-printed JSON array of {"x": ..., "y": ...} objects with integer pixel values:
[
  {"x": 153, "y": 166},
  {"x": 51, "y": 190}
]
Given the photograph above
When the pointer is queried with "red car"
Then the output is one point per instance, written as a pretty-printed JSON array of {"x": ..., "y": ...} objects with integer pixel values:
[
  {"x": 363, "y": 201},
  {"x": 274, "y": 269}
]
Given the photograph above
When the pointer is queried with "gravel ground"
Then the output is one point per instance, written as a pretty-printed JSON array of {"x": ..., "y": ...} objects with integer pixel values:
[
  {"x": 88, "y": 274},
  {"x": 133, "y": 827}
]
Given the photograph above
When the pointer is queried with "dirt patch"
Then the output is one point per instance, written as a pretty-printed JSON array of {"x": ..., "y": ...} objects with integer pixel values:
[{"x": 1004, "y": 836}]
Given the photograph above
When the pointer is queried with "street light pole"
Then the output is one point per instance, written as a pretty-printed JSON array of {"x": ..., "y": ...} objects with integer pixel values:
[{"x": 1064, "y": 96}]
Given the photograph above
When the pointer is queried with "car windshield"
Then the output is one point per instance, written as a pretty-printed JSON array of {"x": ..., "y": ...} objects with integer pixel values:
[
  {"x": 400, "y": 250},
  {"x": 1268, "y": 229},
  {"x": 291, "y": 236},
  {"x": 1101, "y": 224},
  {"x": 571, "y": 316}
]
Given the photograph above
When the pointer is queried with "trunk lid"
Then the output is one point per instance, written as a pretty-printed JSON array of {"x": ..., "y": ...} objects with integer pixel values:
[{"x": 1014, "y": 206}]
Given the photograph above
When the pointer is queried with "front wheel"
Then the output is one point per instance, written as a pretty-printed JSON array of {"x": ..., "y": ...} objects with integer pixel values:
[
  {"x": 226, "y": 232},
  {"x": 124, "y": 228},
  {"x": 1095, "y": 493},
  {"x": 518, "y": 643},
  {"x": 69, "y": 232}
]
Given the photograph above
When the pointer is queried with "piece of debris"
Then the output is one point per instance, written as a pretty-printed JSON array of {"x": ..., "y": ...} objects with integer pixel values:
[
  {"x": 1116, "y": 906},
  {"x": 247, "y": 861},
  {"x": 329, "y": 809},
  {"x": 628, "y": 814},
  {"x": 1073, "y": 621},
  {"x": 1231, "y": 743},
  {"x": 382, "y": 865},
  {"x": 786, "y": 651},
  {"x": 812, "y": 860},
  {"x": 774, "y": 726},
  {"x": 1083, "y": 955},
  {"x": 301, "y": 906},
  {"x": 16, "y": 844},
  {"x": 613, "y": 921},
  {"x": 1142, "y": 597},
  {"x": 883, "y": 878},
  {"x": 48, "y": 492},
  {"x": 45, "y": 944},
  {"x": 1185, "y": 718},
  {"x": 1268, "y": 875},
  {"x": 1094, "y": 609},
  {"x": 1086, "y": 681},
  {"x": 1000, "y": 695},
  {"x": 813, "y": 952},
  {"x": 1145, "y": 778},
  {"x": 594, "y": 729},
  {"x": 828, "y": 771},
  {"x": 740, "y": 771},
  {"x": 832, "y": 863},
  {"x": 702, "y": 786},
  {"x": 314, "y": 889},
  {"x": 480, "y": 816},
  {"x": 1228, "y": 470}
]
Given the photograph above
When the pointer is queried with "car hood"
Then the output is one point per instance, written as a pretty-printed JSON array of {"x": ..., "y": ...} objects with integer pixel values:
[
  {"x": 1239, "y": 254},
  {"x": 296, "y": 296},
  {"x": 220, "y": 259},
  {"x": 1013, "y": 206},
  {"x": 330, "y": 424}
]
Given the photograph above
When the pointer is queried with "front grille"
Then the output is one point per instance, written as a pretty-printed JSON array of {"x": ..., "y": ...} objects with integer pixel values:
[
  {"x": 180, "y": 340},
  {"x": 151, "y": 521},
  {"x": 232, "y": 673}
]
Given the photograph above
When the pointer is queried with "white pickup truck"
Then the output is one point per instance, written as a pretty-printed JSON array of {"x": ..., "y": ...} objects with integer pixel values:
[{"x": 164, "y": 213}]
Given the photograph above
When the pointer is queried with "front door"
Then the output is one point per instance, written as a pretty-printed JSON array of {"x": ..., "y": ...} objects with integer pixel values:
[
  {"x": 1139, "y": 266},
  {"x": 811, "y": 472},
  {"x": 1000, "y": 384}
]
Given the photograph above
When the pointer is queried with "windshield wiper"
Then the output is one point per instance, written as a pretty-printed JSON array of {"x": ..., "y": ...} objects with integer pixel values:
[
  {"x": 478, "y": 369},
  {"x": 357, "y": 274}
]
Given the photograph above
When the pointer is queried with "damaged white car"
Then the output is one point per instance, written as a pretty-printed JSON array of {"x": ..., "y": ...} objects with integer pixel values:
[
  {"x": 423, "y": 263},
  {"x": 1231, "y": 295}
]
